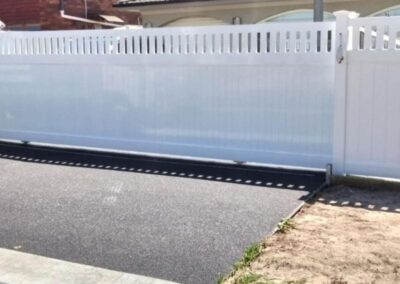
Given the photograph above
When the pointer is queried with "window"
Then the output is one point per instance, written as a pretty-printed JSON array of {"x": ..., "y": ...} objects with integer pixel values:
[
  {"x": 195, "y": 21},
  {"x": 392, "y": 11},
  {"x": 297, "y": 16}
]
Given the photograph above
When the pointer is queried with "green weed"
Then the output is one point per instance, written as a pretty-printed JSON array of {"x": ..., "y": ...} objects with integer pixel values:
[{"x": 285, "y": 225}]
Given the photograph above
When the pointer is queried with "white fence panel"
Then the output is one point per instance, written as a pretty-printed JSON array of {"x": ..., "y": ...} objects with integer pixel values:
[
  {"x": 372, "y": 145},
  {"x": 257, "y": 93}
]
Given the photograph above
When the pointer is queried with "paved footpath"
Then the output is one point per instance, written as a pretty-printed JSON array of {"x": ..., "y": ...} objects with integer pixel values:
[
  {"x": 164, "y": 219},
  {"x": 23, "y": 268}
]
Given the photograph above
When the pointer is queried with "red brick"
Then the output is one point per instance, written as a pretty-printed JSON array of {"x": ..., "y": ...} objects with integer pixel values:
[
  {"x": 20, "y": 12},
  {"x": 46, "y": 13}
]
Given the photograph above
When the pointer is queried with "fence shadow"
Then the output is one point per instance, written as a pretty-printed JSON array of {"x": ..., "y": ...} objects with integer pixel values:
[
  {"x": 237, "y": 174},
  {"x": 379, "y": 196}
]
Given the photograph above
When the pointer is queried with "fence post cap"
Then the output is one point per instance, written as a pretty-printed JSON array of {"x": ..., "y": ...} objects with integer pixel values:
[{"x": 349, "y": 14}]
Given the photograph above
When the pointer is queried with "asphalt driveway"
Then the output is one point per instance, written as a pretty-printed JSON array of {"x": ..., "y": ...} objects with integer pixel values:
[{"x": 179, "y": 221}]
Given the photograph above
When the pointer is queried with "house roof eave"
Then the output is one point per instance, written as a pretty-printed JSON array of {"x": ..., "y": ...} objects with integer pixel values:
[{"x": 135, "y": 3}]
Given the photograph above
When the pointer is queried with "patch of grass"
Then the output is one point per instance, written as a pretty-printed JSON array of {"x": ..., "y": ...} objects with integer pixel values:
[
  {"x": 250, "y": 254},
  {"x": 285, "y": 225},
  {"x": 249, "y": 278}
]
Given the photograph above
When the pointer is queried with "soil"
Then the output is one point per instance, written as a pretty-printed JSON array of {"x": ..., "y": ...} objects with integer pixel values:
[{"x": 347, "y": 235}]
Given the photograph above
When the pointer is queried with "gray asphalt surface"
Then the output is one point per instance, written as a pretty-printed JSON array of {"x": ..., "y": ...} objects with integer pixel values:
[{"x": 180, "y": 229}]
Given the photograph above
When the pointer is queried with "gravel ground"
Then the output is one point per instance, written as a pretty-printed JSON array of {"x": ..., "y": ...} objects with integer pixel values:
[{"x": 349, "y": 235}]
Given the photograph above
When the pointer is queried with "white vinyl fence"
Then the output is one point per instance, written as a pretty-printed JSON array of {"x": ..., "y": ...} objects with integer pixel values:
[
  {"x": 259, "y": 93},
  {"x": 275, "y": 93},
  {"x": 368, "y": 137}
]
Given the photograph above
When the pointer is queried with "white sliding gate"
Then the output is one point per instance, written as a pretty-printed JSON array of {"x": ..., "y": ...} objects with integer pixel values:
[
  {"x": 297, "y": 94},
  {"x": 257, "y": 93}
]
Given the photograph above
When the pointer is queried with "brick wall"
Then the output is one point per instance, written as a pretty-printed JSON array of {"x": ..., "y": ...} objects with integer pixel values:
[
  {"x": 50, "y": 16},
  {"x": 20, "y": 12},
  {"x": 51, "y": 19},
  {"x": 46, "y": 13}
]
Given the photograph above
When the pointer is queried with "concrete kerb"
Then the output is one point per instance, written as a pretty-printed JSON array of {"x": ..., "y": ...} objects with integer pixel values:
[{"x": 23, "y": 268}]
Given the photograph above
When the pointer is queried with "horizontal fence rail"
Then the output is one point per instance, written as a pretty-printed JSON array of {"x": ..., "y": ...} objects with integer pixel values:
[
  {"x": 375, "y": 34},
  {"x": 246, "y": 39}
]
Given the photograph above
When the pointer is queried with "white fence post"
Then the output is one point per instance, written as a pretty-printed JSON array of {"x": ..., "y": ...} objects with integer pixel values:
[{"x": 343, "y": 34}]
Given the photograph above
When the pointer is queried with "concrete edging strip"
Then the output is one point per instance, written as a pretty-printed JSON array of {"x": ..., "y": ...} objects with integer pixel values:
[{"x": 23, "y": 268}]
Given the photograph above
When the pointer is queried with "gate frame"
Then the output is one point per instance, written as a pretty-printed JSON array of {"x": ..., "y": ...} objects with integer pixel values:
[{"x": 343, "y": 34}]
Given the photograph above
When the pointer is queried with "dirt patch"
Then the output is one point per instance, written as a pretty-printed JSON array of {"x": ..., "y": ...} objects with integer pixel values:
[{"x": 347, "y": 235}]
